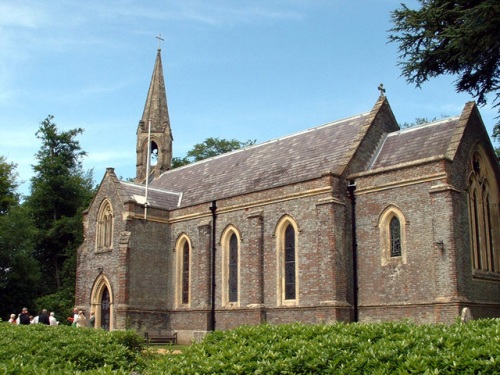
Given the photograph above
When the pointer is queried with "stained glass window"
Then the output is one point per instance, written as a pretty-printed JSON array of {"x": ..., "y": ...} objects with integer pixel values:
[
  {"x": 395, "y": 229},
  {"x": 185, "y": 273},
  {"x": 233, "y": 269},
  {"x": 290, "y": 290}
]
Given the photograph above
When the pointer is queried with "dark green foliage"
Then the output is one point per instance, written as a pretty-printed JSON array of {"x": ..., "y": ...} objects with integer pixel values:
[
  {"x": 459, "y": 37},
  {"x": 39, "y": 349},
  {"x": 210, "y": 147},
  {"x": 19, "y": 272},
  {"x": 60, "y": 191},
  {"x": 388, "y": 348},
  {"x": 8, "y": 185}
]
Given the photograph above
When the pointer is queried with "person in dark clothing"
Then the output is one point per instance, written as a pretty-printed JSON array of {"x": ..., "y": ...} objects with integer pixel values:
[
  {"x": 43, "y": 318},
  {"x": 24, "y": 317}
]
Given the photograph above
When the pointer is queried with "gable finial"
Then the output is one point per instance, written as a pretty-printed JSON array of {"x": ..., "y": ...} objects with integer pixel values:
[
  {"x": 160, "y": 39},
  {"x": 381, "y": 89}
]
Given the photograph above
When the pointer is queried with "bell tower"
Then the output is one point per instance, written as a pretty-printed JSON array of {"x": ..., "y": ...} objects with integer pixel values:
[{"x": 155, "y": 127}]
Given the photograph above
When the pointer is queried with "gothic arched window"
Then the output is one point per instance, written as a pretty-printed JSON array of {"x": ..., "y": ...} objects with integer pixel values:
[
  {"x": 233, "y": 269},
  {"x": 183, "y": 249},
  {"x": 290, "y": 263},
  {"x": 287, "y": 255},
  {"x": 104, "y": 230},
  {"x": 392, "y": 226},
  {"x": 185, "y": 273},
  {"x": 483, "y": 214},
  {"x": 395, "y": 230},
  {"x": 230, "y": 241}
]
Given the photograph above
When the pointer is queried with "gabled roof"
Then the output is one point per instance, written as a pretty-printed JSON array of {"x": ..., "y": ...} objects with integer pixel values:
[
  {"x": 295, "y": 158},
  {"x": 416, "y": 143}
]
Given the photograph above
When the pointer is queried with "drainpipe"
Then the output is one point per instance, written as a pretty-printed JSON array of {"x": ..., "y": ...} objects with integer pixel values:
[
  {"x": 213, "y": 209},
  {"x": 351, "y": 187}
]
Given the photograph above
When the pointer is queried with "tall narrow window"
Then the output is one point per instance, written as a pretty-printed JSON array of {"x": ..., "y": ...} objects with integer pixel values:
[
  {"x": 290, "y": 267},
  {"x": 233, "y": 269},
  {"x": 104, "y": 230},
  {"x": 483, "y": 215},
  {"x": 395, "y": 230},
  {"x": 185, "y": 273}
]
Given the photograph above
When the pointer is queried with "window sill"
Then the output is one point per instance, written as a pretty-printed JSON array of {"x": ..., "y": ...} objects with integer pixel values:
[
  {"x": 104, "y": 250},
  {"x": 486, "y": 275}
]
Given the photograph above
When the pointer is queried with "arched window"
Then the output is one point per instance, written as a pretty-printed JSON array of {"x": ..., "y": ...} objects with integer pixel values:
[
  {"x": 288, "y": 265},
  {"x": 230, "y": 241},
  {"x": 184, "y": 255},
  {"x": 154, "y": 152},
  {"x": 483, "y": 214},
  {"x": 104, "y": 232},
  {"x": 395, "y": 230},
  {"x": 233, "y": 269},
  {"x": 392, "y": 226},
  {"x": 185, "y": 273}
]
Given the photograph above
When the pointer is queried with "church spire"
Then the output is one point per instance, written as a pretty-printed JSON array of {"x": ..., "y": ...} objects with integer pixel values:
[{"x": 156, "y": 112}]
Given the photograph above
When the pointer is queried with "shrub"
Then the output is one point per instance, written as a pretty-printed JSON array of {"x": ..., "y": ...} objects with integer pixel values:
[
  {"x": 39, "y": 349},
  {"x": 386, "y": 348}
]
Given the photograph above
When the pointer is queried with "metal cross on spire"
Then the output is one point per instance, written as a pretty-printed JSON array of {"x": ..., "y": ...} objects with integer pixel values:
[
  {"x": 160, "y": 39},
  {"x": 381, "y": 89}
]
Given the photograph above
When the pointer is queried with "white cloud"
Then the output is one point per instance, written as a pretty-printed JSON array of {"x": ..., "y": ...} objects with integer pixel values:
[{"x": 20, "y": 15}]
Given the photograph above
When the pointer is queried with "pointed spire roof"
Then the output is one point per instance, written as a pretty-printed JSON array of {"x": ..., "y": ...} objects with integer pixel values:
[{"x": 156, "y": 108}]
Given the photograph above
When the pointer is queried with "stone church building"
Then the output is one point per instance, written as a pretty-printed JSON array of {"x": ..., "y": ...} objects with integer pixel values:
[{"x": 354, "y": 220}]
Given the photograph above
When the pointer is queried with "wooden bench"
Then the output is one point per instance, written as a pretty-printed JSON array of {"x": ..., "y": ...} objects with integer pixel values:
[{"x": 160, "y": 336}]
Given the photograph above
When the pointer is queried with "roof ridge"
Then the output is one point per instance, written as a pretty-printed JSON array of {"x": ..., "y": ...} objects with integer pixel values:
[
  {"x": 271, "y": 141},
  {"x": 427, "y": 124}
]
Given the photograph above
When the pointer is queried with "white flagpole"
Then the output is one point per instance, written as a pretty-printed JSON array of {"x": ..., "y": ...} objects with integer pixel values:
[{"x": 147, "y": 170}]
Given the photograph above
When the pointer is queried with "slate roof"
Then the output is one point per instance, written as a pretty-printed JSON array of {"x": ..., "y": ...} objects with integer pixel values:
[
  {"x": 156, "y": 198},
  {"x": 416, "y": 143},
  {"x": 298, "y": 157}
]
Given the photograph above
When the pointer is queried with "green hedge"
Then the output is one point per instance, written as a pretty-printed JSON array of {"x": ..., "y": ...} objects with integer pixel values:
[
  {"x": 387, "y": 348},
  {"x": 40, "y": 349}
]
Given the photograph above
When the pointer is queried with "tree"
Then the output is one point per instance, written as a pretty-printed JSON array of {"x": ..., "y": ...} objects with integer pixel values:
[
  {"x": 8, "y": 185},
  {"x": 60, "y": 191},
  {"x": 210, "y": 147},
  {"x": 19, "y": 272},
  {"x": 459, "y": 37}
]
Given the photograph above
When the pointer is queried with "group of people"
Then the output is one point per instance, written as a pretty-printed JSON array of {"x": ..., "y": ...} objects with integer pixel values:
[
  {"x": 25, "y": 318},
  {"x": 78, "y": 319}
]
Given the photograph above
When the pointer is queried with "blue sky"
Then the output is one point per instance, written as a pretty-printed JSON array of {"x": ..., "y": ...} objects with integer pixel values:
[{"x": 239, "y": 69}]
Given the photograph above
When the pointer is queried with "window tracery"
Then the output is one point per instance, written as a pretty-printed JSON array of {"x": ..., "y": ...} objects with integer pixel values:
[
  {"x": 104, "y": 232},
  {"x": 483, "y": 214}
]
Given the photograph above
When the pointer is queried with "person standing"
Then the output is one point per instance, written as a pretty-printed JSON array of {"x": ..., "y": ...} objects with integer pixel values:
[
  {"x": 24, "y": 317},
  {"x": 52, "y": 319},
  {"x": 43, "y": 318},
  {"x": 81, "y": 321}
]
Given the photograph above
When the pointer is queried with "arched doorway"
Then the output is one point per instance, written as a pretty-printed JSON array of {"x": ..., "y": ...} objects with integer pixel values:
[{"x": 102, "y": 303}]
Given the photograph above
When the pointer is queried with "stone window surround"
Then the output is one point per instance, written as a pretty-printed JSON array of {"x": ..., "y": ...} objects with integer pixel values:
[
  {"x": 225, "y": 242},
  {"x": 482, "y": 187},
  {"x": 179, "y": 250},
  {"x": 280, "y": 261},
  {"x": 384, "y": 222},
  {"x": 105, "y": 227}
]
